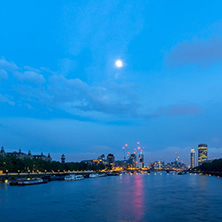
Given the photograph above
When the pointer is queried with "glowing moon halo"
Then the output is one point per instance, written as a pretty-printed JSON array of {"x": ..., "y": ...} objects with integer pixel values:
[{"x": 119, "y": 63}]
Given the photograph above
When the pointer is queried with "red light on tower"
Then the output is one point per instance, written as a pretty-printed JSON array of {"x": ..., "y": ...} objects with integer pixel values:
[
  {"x": 126, "y": 144},
  {"x": 138, "y": 148},
  {"x": 123, "y": 147},
  {"x": 138, "y": 142}
]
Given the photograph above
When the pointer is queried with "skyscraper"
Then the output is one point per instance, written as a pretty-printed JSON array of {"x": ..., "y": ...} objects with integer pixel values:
[
  {"x": 141, "y": 160},
  {"x": 132, "y": 160},
  {"x": 202, "y": 153},
  {"x": 111, "y": 159},
  {"x": 192, "y": 158}
]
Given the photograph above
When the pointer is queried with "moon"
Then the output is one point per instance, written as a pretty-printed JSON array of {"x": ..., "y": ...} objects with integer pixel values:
[{"x": 119, "y": 63}]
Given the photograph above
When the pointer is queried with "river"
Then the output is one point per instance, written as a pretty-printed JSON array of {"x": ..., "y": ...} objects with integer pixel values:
[{"x": 138, "y": 197}]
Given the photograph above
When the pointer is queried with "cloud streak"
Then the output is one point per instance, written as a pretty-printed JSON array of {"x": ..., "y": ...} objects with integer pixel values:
[{"x": 196, "y": 52}]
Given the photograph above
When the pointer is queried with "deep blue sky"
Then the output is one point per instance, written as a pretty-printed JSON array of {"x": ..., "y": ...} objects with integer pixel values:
[{"x": 60, "y": 91}]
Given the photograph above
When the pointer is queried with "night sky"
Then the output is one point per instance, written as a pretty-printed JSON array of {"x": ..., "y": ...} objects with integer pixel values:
[{"x": 61, "y": 92}]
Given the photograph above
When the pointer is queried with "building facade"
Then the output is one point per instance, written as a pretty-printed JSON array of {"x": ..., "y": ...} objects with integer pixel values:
[
  {"x": 157, "y": 165},
  {"x": 22, "y": 155},
  {"x": 132, "y": 160},
  {"x": 202, "y": 153},
  {"x": 192, "y": 159},
  {"x": 111, "y": 159},
  {"x": 141, "y": 160}
]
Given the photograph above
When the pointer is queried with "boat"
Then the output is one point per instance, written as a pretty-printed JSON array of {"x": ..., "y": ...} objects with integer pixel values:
[
  {"x": 93, "y": 175},
  {"x": 73, "y": 177},
  {"x": 79, "y": 177},
  {"x": 181, "y": 173},
  {"x": 33, "y": 181},
  {"x": 102, "y": 175},
  {"x": 14, "y": 182}
]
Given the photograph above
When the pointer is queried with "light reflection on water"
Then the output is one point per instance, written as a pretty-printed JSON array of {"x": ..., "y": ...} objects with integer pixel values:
[{"x": 138, "y": 197}]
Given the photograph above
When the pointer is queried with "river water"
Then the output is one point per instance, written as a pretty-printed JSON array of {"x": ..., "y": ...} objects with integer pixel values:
[{"x": 138, "y": 197}]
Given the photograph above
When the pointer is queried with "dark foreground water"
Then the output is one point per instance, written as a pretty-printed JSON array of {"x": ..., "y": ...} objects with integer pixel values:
[{"x": 125, "y": 198}]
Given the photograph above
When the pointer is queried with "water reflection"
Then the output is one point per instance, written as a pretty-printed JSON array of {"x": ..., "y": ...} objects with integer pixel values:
[{"x": 138, "y": 197}]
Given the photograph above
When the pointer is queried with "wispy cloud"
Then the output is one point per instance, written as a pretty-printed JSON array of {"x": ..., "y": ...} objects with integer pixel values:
[
  {"x": 73, "y": 96},
  {"x": 106, "y": 100},
  {"x": 175, "y": 110},
  {"x": 201, "y": 52},
  {"x": 30, "y": 76},
  {"x": 4, "y": 99},
  {"x": 4, "y": 64}
]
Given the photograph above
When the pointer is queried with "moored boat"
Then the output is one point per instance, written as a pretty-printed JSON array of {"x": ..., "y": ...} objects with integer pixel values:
[
  {"x": 72, "y": 177},
  {"x": 102, "y": 175},
  {"x": 33, "y": 181},
  {"x": 93, "y": 175}
]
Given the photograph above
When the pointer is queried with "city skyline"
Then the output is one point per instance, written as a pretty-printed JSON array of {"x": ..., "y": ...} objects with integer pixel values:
[
  {"x": 193, "y": 161},
  {"x": 85, "y": 78}
]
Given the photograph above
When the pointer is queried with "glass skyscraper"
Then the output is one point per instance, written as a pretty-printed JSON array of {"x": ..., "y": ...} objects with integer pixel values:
[
  {"x": 192, "y": 158},
  {"x": 141, "y": 160},
  {"x": 202, "y": 153}
]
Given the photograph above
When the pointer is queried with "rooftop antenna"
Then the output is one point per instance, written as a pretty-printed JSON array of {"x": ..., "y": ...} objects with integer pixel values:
[
  {"x": 177, "y": 158},
  {"x": 124, "y": 147},
  {"x": 124, "y": 153}
]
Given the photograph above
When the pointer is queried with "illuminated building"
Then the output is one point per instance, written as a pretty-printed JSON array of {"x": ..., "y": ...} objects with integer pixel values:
[
  {"x": 111, "y": 159},
  {"x": 121, "y": 163},
  {"x": 202, "y": 153},
  {"x": 157, "y": 165},
  {"x": 101, "y": 159},
  {"x": 175, "y": 165},
  {"x": 132, "y": 160},
  {"x": 192, "y": 158},
  {"x": 141, "y": 160}
]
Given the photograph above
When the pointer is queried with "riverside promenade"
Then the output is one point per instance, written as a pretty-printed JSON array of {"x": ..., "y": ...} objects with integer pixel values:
[{"x": 8, "y": 176}]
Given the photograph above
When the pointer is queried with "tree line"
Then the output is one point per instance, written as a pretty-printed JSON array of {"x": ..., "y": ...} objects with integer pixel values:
[
  {"x": 13, "y": 164},
  {"x": 214, "y": 166}
]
